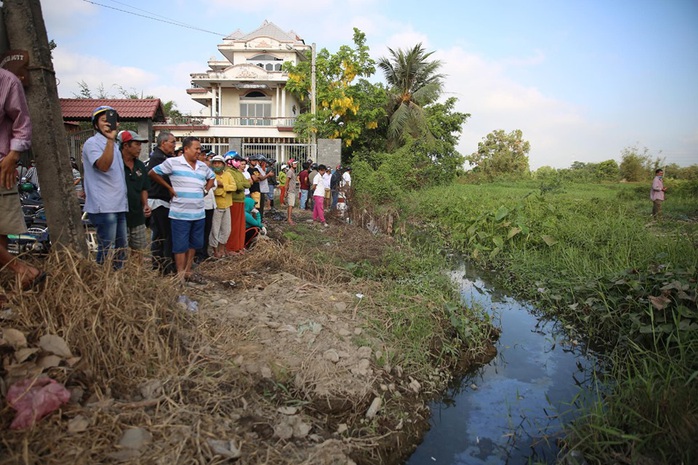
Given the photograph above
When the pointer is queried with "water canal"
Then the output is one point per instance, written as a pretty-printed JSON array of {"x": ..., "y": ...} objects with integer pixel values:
[{"x": 510, "y": 411}]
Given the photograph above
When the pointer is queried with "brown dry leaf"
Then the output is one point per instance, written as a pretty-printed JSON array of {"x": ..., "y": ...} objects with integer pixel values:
[
  {"x": 72, "y": 361},
  {"x": 49, "y": 361},
  {"x": 55, "y": 345},
  {"x": 659, "y": 302},
  {"x": 22, "y": 354},
  {"x": 15, "y": 338}
]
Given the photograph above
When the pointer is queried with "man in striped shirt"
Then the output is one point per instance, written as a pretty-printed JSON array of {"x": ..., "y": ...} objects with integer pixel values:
[{"x": 191, "y": 180}]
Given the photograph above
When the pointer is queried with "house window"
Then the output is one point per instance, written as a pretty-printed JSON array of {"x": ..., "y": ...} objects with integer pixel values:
[
  {"x": 255, "y": 109},
  {"x": 266, "y": 62}
]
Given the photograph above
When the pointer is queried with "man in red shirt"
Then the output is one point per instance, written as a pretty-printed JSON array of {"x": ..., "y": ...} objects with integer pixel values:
[{"x": 304, "y": 181}]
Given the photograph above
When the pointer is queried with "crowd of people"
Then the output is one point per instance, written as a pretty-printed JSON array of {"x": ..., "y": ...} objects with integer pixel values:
[{"x": 197, "y": 204}]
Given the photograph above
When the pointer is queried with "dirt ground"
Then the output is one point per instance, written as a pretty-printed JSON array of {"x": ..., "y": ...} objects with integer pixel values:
[{"x": 274, "y": 359}]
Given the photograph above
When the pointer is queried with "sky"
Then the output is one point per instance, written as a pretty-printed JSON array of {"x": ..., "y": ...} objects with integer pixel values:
[{"x": 581, "y": 79}]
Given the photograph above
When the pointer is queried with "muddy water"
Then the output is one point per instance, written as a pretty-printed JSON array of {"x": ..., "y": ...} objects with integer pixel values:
[{"x": 511, "y": 410}]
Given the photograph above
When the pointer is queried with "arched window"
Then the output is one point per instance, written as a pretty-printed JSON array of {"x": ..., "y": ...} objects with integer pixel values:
[{"x": 255, "y": 109}]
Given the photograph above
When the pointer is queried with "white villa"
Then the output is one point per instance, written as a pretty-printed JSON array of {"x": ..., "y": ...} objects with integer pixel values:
[{"x": 247, "y": 107}]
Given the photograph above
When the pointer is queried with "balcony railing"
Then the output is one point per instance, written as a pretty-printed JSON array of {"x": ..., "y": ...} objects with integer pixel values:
[{"x": 231, "y": 121}]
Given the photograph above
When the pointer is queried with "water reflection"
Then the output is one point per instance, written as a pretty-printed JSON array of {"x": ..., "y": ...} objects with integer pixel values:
[{"x": 511, "y": 410}]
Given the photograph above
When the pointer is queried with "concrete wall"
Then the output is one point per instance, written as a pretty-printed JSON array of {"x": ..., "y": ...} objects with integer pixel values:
[{"x": 329, "y": 152}]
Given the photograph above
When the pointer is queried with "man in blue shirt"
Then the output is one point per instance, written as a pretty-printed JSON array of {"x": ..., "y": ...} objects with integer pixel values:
[
  {"x": 191, "y": 180},
  {"x": 106, "y": 203}
]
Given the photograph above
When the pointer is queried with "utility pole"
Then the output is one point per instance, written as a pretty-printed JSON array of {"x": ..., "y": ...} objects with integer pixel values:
[
  {"x": 313, "y": 99},
  {"x": 26, "y": 31}
]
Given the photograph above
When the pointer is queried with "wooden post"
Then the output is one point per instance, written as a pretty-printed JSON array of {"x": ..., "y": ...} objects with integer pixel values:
[{"x": 26, "y": 30}]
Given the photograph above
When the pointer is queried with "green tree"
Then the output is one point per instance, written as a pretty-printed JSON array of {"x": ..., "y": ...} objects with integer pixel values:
[
  {"x": 340, "y": 102},
  {"x": 413, "y": 82},
  {"x": 500, "y": 154},
  {"x": 636, "y": 164}
]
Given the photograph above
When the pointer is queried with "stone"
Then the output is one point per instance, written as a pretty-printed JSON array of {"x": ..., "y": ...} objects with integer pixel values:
[
  {"x": 331, "y": 355},
  {"x": 373, "y": 409}
]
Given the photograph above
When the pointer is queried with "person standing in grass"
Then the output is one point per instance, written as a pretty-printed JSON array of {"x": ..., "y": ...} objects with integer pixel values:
[{"x": 657, "y": 193}]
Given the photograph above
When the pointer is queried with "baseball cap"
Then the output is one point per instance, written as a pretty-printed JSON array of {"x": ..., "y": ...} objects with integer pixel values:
[{"x": 127, "y": 136}]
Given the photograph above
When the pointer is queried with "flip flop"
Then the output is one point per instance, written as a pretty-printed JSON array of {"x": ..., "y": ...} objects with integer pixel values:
[{"x": 38, "y": 280}]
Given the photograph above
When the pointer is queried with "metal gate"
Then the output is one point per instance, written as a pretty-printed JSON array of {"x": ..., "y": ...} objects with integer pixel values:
[{"x": 282, "y": 152}]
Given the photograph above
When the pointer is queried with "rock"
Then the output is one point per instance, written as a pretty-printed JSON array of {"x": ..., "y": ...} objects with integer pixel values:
[
  {"x": 78, "y": 424},
  {"x": 226, "y": 449},
  {"x": 331, "y": 355},
  {"x": 151, "y": 389},
  {"x": 364, "y": 352},
  {"x": 340, "y": 306},
  {"x": 301, "y": 429},
  {"x": 287, "y": 410},
  {"x": 266, "y": 372},
  {"x": 135, "y": 438},
  {"x": 341, "y": 428},
  {"x": 344, "y": 332},
  {"x": 362, "y": 368},
  {"x": 414, "y": 385},
  {"x": 283, "y": 430},
  {"x": 357, "y": 331},
  {"x": 373, "y": 409}
]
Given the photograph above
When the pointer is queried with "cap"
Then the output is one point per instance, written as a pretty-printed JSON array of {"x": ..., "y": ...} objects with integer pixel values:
[
  {"x": 127, "y": 136},
  {"x": 293, "y": 161},
  {"x": 218, "y": 158}
]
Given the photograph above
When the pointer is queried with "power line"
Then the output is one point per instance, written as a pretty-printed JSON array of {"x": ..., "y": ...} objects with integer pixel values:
[{"x": 172, "y": 22}]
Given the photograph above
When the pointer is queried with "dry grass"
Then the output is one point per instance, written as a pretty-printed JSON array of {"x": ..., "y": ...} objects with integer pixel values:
[{"x": 142, "y": 362}]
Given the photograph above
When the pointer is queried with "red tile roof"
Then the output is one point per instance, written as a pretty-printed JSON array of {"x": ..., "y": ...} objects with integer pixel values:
[{"x": 80, "y": 109}]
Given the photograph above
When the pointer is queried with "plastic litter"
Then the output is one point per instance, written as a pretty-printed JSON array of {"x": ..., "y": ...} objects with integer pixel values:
[
  {"x": 191, "y": 305},
  {"x": 33, "y": 399}
]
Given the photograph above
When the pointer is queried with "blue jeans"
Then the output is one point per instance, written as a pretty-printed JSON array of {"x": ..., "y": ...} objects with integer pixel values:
[
  {"x": 304, "y": 198},
  {"x": 335, "y": 198},
  {"x": 112, "y": 236}
]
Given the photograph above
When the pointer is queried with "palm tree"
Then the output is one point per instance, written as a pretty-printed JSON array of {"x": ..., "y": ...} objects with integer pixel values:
[{"x": 413, "y": 83}]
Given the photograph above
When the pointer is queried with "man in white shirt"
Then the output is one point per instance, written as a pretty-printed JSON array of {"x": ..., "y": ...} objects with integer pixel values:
[{"x": 318, "y": 190}]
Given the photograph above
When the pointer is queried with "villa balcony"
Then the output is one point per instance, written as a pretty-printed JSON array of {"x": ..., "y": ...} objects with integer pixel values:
[{"x": 230, "y": 125}]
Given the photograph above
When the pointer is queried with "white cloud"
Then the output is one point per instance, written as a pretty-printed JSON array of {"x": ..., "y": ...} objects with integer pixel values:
[
  {"x": 72, "y": 68},
  {"x": 497, "y": 101}
]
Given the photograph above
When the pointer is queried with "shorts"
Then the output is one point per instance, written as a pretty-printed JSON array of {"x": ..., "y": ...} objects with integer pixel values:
[
  {"x": 187, "y": 234},
  {"x": 11, "y": 215},
  {"x": 291, "y": 199},
  {"x": 137, "y": 237}
]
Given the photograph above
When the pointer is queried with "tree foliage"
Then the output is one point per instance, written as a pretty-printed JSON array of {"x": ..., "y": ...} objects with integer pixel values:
[
  {"x": 343, "y": 110},
  {"x": 637, "y": 164},
  {"x": 500, "y": 154},
  {"x": 413, "y": 83}
]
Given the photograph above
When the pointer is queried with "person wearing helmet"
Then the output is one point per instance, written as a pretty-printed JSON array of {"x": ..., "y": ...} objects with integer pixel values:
[
  {"x": 220, "y": 230},
  {"x": 236, "y": 240},
  {"x": 106, "y": 202}
]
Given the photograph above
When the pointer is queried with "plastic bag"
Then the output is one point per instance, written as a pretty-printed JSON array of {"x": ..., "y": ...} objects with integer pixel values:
[{"x": 33, "y": 399}]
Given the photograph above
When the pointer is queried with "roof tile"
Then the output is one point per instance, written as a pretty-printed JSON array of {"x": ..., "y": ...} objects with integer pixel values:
[{"x": 76, "y": 109}]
